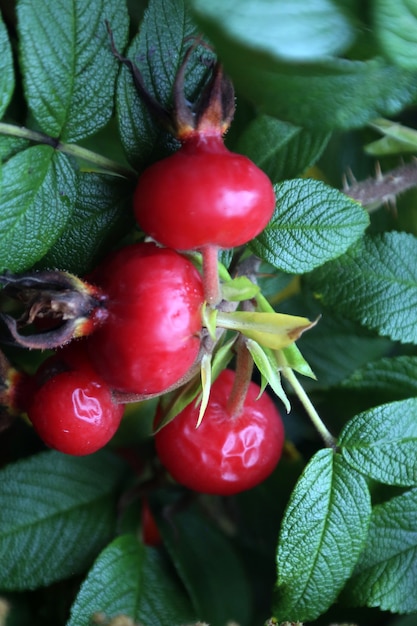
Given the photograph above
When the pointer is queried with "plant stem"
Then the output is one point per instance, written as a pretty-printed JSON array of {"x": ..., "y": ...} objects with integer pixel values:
[
  {"x": 373, "y": 192},
  {"x": 74, "y": 150},
  {"x": 327, "y": 437},
  {"x": 244, "y": 368},
  {"x": 211, "y": 282}
]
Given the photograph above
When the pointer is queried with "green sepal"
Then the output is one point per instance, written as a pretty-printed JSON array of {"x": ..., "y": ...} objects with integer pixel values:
[
  {"x": 271, "y": 330},
  {"x": 239, "y": 289},
  {"x": 266, "y": 363}
]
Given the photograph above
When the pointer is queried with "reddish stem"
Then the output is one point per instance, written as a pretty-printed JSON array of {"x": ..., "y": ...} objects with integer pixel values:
[
  {"x": 244, "y": 368},
  {"x": 211, "y": 282}
]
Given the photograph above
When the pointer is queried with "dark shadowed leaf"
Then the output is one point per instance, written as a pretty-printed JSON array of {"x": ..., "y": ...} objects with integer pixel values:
[{"x": 56, "y": 513}]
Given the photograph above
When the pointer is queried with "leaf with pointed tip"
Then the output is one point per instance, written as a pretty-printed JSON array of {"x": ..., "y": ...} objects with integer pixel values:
[
  {"x": 382, "y": 443},
  {"x": 312, "y": 224},
  {"x": 323, "y": 532},
  {"x": 68, "y": 66}
]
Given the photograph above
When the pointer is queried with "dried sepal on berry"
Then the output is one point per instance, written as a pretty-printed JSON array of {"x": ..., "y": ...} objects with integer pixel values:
[{"x": 46, "y": 309}]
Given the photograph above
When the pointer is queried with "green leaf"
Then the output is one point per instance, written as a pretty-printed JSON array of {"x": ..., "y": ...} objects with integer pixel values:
[
  {"x": 285, "y": 65},
  {"x": 158, "y": 50},
  {"x": 322, "y": 534},
  {"x": 56, "y": 513},
  {"x": 280, "y": 149},
  {"x": 38, "y": 195},
  {"x": 132, "y": 580},
  {"x": 68, "y": 66},
  {"x": 6, "y": 69},
  {"x": 385, "y": 575},
  {"x": 291, "y": 29},
  {"x": 208, "y": 566},
  {"x": 101, "y": 216},
  {"x": 382, "y": 443},
  {"x": 395, "y": 25},
  {"x": 374, "y": 283},
  {"x": 391, "y": 378},
  {"x": 397, "y": 138},
  {"x": 312, "y": 224}
]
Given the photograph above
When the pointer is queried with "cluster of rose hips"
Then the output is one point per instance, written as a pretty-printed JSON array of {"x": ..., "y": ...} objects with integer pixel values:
[{"x": 202, "y": 198}]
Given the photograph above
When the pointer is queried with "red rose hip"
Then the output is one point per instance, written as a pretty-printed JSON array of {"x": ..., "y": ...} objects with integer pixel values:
[
  {"x": 203, "y": 195},
  {"x": 225, "y": 454},
  {"x": 74, "y": 413},
  {"x": 152, "y": 333}
]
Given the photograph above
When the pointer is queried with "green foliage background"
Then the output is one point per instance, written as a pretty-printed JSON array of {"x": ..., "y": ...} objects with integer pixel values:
[{"x": 331, "y": 535}]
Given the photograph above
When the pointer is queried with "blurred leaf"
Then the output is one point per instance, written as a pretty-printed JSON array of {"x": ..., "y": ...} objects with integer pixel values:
[
  {"x": 374, "y": 283},
  {"x": 133, "y": 580},
  {"x": 312, "y": 224},
  {"x": 322, "y": 534},
  {"x": 392, "y": 378},
  {"x": 385, "y": 575},
  {"x": 102, "y": 214},
  {"x": 69, "y": 69},
  {"x": 280, "y": 149},
  {"x": 291, "y": 29},
  {"x": 38, "y": 195},
  {"x": 382, "y": 443},
  {"x": 208, "y": 566},
  {"x": 56, "y": 512},
  {"x": 6, "y": 69},
  {"x": 397, "y": 138},
  {"x": 281, "y": 57},
  {"x": 158, "y": 50},
  {"x": 395, "y": 25}
]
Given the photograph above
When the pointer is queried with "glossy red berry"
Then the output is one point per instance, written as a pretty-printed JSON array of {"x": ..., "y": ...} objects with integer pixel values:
[
  {"x": 152, "y": 333},
  {"x": 74, "y": 413},
  {"x": 224, "y": 455},
  {"x": 203, "y": 195}
]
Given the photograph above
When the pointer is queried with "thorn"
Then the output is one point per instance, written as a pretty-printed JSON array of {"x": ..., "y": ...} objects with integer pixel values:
[
  {"x": 378, "y": 171},
  {"x": 350, "y": 176},
  {"x": 390, "y": 203},
  {"x": 345, "y": 183}
]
